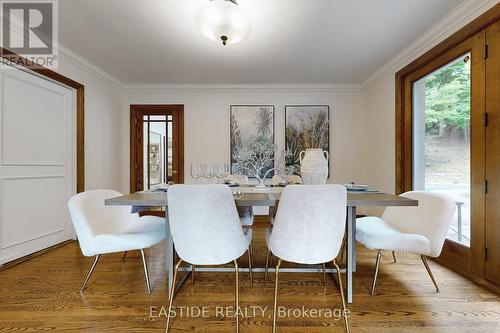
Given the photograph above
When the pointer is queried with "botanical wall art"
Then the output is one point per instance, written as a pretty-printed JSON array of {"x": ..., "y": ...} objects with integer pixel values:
[
  {"x": 251, "y": 126},
  {"x": 306, "y": 126}
]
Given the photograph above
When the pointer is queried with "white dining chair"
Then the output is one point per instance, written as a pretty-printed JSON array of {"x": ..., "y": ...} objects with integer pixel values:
[
  {"x": 308, "y": 229},
  {"x": 420, "y": 230},
  {"x": 206, "y": 230},
  {"x": 105, "y": 229}
]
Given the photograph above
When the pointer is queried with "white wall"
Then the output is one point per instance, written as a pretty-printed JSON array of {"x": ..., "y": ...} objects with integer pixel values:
[
  {"x": 362, "y": 130},
  {"x": 206, "y": 120},
  {"x": 105, "y": 106},
  {"x": 380, "y": 134}
]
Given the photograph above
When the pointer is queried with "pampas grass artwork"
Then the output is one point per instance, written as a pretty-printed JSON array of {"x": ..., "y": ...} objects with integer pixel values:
[{"x": 307, "y": 126}]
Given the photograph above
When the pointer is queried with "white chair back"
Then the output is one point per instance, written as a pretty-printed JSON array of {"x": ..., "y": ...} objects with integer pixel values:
[
  {"x": 309, "y": 224},
  {"x": 431, "y": 218},
  {"x": 204, "y": 224},
  {"x": 92, "y": 218}
]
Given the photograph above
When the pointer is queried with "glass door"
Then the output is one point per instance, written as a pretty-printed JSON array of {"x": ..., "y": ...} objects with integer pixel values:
[
  {"x": 442, "y": 139},
  {"x": 446, "y": 99},
  {"x": 157, "y": 151},
  {"x": 156, "y": 146}
]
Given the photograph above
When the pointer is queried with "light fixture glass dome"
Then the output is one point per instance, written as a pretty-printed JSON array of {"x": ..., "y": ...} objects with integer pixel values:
[{"x": 223, "y": 21}]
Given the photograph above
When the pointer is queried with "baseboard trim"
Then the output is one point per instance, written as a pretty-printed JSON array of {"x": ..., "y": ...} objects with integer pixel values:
[
  {"x": 471, "y": 276},
  {"x": 33, "y": 255}
]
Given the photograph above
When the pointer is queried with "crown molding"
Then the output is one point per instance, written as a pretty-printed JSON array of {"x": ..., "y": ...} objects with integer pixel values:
[
  {"x": 456, "y": 19},
  {"x": 88, "y": 67},
  {"x": 463, "y": 14},
  {"x": 165, "y": 88}
]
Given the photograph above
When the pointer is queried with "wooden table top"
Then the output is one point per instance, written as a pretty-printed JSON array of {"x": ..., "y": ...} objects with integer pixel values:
[{"x": 253, "y": 198}]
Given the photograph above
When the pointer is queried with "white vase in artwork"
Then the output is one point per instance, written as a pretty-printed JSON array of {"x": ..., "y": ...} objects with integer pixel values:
[{"x": 314, "y": 166}]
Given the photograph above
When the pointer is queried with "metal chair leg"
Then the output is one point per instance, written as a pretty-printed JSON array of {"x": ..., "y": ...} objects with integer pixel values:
[
  {"x": 237, "y": 296},
  {"x": 324, "y": 275},
  {"x": 342, "y": 296},
  {"x": 89, "y": 273},
  {"x": 424, "y": 260},
  {"x": 394, "y": 256},
  {"x": 172, "y": 290},
  {"x": 377, "y": 265},
  {"x": 276, "y": 295},
  {"x": 146, "y": 274},
  {"x": 193, "y": 272},
  {"x": 124, "y": 256},
  {"x": 250, "y": 258},
  {"x": 267, "y": 266}
]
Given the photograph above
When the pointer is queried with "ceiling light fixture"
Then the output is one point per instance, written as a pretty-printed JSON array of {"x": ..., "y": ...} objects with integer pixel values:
[{"x": 223, "y": 20}]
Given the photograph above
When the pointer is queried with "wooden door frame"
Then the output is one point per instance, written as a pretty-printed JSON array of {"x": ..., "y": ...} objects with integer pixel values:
[
  {"x": 492, "y": 163},
  {"x": 404, "y": 135},
  {"x": 453, "y": 251},
  {"x": 403, "y": 132},
  {"x": 136, "y": 112},
  {"x": 17, "y": 60}
]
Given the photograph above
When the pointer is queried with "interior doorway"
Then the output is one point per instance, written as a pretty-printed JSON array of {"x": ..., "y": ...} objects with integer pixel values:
[{"x": 156, "y": 146}]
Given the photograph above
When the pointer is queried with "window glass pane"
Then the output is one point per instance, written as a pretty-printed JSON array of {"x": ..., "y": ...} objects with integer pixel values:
[
  {"x": 157, "y": 134},
  {"x": 158, "y": 118},
  {"x": 155, "y": 157},
  {"x": 441, "y": 142}
]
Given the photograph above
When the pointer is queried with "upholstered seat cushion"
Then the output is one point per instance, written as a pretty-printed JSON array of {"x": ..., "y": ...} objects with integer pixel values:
[
  {"x": 148, "y": 231},
  {"x": 375, "y": 233}
]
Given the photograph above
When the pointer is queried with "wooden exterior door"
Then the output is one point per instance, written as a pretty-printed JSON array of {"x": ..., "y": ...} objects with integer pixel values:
[
  {"x": 477, "y": 119},
  {"x": 492, "y": 248},
  {"x": 447, "y": 155},
  {"x": 156, "y": 146}
]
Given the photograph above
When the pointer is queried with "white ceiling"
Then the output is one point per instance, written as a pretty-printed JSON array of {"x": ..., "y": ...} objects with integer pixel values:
[{"x": 292, "y": 41}]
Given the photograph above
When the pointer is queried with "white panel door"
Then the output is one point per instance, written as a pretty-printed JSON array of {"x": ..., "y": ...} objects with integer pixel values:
[{"x": 37, "y": 163}]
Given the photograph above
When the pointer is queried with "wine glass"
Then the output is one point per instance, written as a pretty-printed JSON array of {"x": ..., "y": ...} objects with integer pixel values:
[
  {"x": 225, "y": 170},
  {"x": 220, "y": 172},
  {"x": 195, "y": 171},
  {"x": 207, "y": 172},
  {"x": 201, "y": 172},
  {"x": 212, "y": 172}
]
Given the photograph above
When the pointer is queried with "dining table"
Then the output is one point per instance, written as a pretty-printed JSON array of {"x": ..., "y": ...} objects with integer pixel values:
[{"x": 248, "y": 196}]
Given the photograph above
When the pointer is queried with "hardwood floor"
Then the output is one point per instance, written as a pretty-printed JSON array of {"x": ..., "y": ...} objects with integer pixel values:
[{"x": 41, "y": 295}]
